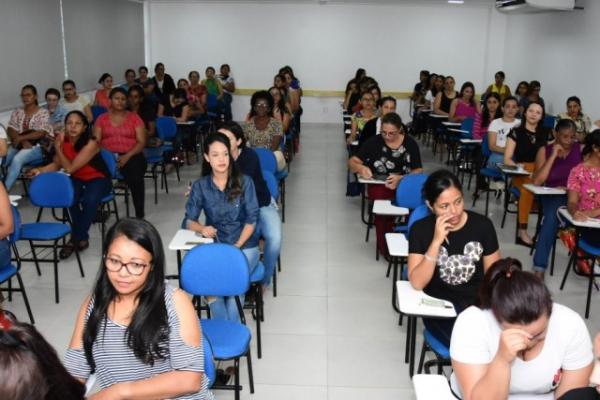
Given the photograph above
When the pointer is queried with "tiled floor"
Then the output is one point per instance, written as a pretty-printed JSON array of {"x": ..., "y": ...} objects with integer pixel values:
[{"x": 331, "y": 332}]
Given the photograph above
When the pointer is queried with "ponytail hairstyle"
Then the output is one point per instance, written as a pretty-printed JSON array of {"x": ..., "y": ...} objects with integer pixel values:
[
  {"x": 233, "y": 188},
  {"x": 513, "y": 295},
  {"x": 591, "y": 140}
]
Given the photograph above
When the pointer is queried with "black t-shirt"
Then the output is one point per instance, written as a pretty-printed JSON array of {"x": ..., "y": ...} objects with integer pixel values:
[
  {"x": 528, "y": 143},
  {"x": 368, "y": 131},
  {"x": 248, "y": 163},
  {"x": 173, "y": 111},
  {"x": 459, "y": 267},
  {"x": 383, "y": 160},
  {"x": 147, "y": 112}
]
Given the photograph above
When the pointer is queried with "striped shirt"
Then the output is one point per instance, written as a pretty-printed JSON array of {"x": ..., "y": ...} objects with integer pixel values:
[{"x": 116, "y": 362}]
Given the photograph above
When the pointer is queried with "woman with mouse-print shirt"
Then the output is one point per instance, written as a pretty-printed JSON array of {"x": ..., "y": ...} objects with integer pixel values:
[{"x": 449, "y": 250}]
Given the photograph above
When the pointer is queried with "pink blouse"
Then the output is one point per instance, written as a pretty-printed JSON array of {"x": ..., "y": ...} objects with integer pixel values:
[
  {"x": 119, "y": 139},
  {"x": 464, "y": 109},
  {"x": 585, "y": 181}
]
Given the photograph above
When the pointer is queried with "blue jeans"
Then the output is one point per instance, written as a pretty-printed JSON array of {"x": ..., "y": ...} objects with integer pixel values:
[
  {"x": 494, "y": 159},
  {"x": 548, "y": 230},
  {"x": 87, "y": 197},
  {"x": 17, "y": 159},
  {"x": 269, "y": 224},
  {"x": 225, "y": 307},
  {"x": 226, "y": 106},
  {"x": 4, "y": 253}
]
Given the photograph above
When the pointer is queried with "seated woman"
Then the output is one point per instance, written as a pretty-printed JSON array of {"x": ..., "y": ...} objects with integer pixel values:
[
  {"x": 102, "y": 98},
  {"x": 139, "y": 336},
  {"x": 421, "y": 88},
  {"x": 30, "y": 367},
  {"x": 55, "y": 111},
  {"x": 164, "y": 85},
  {"x": 373, "y": 126},
  {"x": 352, "y": 95},
  {"x": 28, "y": 125},
  {"x": 6, "y": 227},
  {"x": 145, "y": 110},
  {"x": 517, "y": 343},
  {"x": 584, "y": 185},
  {"x": 229, "y": 202},
  {"x": 521, "y": 90},
  {"x": 262, "y": 129},
  {"x": 443, "y": 99},
  {"x": 143, "y": 72},
  {"x": 281, "y": 110},
  {"x": 269, "y": 222},
  {"x": 198, "y": 93},
  {"x": 499, "y": 129},
  {"x": 491, "y": 111},
  {"x": 73, "y": 101},
  {"x": 388, "y": 156},
  {"x": 360, "y": 118},
  {"x": 3, "y": 143},
  {"x": 78, "y": 154},
  {"x": 464, "y": 106},
  {"x": 449, "y": 250},
  {"x": 498, "y": 87},
  {"x": 176, "y": 107},
  {"x": 583, "y": 123},
  {"x": 436, "y": 86},
  {"x": 130, "y": 80},
  {"x": 122, "y": 132},
  {"x": 553, "y": 163},
  {"x": 212, "y": 84},
  {"x": 522, "y": 145}
]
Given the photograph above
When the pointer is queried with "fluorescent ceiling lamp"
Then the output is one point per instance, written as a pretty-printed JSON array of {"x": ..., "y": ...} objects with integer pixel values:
[{"x": 456, "y": 1}]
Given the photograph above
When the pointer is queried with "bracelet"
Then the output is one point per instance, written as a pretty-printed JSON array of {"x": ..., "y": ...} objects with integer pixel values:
[{"x": 428, "y": 257}]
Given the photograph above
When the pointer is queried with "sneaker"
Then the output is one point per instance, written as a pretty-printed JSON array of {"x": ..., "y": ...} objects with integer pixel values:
[{"x": 496, "y": 185}]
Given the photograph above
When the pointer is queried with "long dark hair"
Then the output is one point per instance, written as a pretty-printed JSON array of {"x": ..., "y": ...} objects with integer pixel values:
[
  {"x": 233, "y": 188},
  {"x": 281, "y": 103},
  {"x": 514, "y": 296},
  {"x": 437, "y": 182},
  {"x": 148, "y": 333},
  {"x": 462, "y": 91},
  {"x": 97, "y": 161},
  {"x": 31, "y": 369},
  {"x": 591, "y": 140},
  {"x": 485, "y": 113},
  {"x": 540, "y": 124}
]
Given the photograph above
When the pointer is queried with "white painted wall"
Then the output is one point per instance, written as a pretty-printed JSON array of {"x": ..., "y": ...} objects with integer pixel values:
[
  {"x": 325, "y": 43},
  {"x": 561, "y": 51}
]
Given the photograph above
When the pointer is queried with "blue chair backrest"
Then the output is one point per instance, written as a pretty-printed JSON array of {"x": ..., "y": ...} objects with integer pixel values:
[
  {"x": 215, "y": 269},
  {"x": 110, "y": 161},
  {"x": 211, "y": 102},
  {"x": 51, "y": 190},
  {"x": 16, "y": 233},
  {"x": 209, "y": 362},
  {"x": 166, "y": 128},
  {"x": 267, "y": 160},
  {"x": 408, "y": 192},
  {"x": 418, "y": 213},
  {"x": 467, "y": 125},
  {"x": 485, "y": 147},
  {"x": 549, "y": 121},
  {"x": 98, "y": 111},
  {"x": 271, "y": 182}
]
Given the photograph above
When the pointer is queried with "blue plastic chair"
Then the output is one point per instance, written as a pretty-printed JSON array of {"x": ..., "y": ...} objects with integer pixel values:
[
  {"x": 7, "y": 272},
  {"x": 274, "y": 190},
  {"x": 549, "y": 121},
  {"x": 441, "y": 352},
  {"x": 52, "y": 190},
  {"x": 111, "y": 165},
  {"x": 97, "y": 111},
  {"x": 269, "y": 163},
  {"x": 220, "y": 269},
  {"x": 489, "y": 174},
  {"x": 156, "y": 165},
  {"x": 209, "y": 363},
  {"x": 166, "y": 130}
]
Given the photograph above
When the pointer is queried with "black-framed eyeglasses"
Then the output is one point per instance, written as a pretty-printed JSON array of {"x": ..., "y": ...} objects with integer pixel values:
[
  {"x": 133, "y": 268},
  {"x": 261, "y": 105}
]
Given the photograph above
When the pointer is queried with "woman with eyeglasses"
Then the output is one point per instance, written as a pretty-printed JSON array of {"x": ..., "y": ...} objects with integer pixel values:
[
  {"x": 262, "y": 129},
  {"x": 228, "y": 200},
  {"x": 517, "y": 343},
  {"x": 140, "y": 337}
]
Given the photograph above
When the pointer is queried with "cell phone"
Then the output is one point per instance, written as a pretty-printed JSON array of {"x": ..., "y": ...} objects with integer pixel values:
[{"x": 434, "y": 303}]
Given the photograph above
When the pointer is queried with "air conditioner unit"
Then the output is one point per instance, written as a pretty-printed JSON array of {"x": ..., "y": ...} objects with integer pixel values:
[{"x": 534, "y": 6}]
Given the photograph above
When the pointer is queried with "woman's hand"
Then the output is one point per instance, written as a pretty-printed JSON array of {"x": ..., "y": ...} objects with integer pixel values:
[
  {"x": 392, "y": 181},
  {"x": 557, "y": 150},
  {"x": 33, "y": 172},
  {"x": 512, "y": 342},
  {"x": 208, "y": 231},
  {"x": 113, "y": 392},
  {"x": 580, "y": 215},
  {"x": 365, "y": 172},
  {"x": 122, "y": 160},
  {"x": 442, "y": 227},
  {"x": 59, "y": 139}
]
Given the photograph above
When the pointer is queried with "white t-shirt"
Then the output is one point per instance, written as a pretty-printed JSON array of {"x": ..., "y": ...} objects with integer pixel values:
[
  {"x": 567, "y": 346},
  {"x": 225, "y": 81},
  {"x": 79, "y": 104},
  {"x": 502, "y": 128}
]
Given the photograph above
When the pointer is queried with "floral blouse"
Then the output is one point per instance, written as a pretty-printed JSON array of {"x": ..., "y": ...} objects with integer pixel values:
[
  {"x": 585, "y": 180},
  {"x": 40, "y": 121},
  {"x": 262, "y": 138}
]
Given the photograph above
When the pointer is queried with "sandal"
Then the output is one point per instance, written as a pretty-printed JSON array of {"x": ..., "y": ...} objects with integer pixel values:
[
  {"x": 84, "y": 244},
  {"x": 66, "y": 251}
]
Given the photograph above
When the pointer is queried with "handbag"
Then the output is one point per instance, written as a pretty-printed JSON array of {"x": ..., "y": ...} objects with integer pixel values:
[{"x": 568, "y": 236}]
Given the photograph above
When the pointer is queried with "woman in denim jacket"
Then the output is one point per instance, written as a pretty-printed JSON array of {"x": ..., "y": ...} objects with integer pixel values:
[{"x": 229, "y": 202}]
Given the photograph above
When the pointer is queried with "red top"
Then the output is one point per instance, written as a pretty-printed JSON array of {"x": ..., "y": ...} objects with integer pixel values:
[
  {"x": 102, "y": 99},
  {"x": 85, "y": 173},
  {"x": 119, "y": 139}
]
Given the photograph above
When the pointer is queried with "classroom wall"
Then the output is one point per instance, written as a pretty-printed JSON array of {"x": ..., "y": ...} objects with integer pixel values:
[
  {"x": 327, "y": 43},
  {"x": 561, "y": 51}
]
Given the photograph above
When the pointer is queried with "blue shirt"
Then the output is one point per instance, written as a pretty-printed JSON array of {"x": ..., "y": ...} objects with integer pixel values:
[
  {"x": 228, "y": 218},
  {"x": 58, "y": 117}
]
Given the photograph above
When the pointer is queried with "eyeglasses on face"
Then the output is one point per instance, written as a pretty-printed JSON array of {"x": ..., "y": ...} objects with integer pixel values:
[{"x": 114, "y": 265}]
